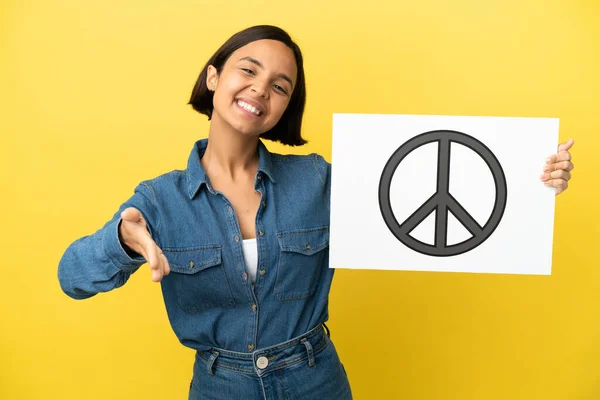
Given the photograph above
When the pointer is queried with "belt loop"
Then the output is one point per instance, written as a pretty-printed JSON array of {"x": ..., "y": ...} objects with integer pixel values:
[
  {"x": 327, "y": 329},
  {"x": 309, "y": 350},
  {"x": 211, "y": 361}
]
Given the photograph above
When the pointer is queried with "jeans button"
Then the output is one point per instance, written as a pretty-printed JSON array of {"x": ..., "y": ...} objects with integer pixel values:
[{"x": 262, "y": 362}]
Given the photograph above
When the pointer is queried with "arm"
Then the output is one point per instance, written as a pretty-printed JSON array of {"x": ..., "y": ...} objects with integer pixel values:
[{"x": 101, "y": 262}]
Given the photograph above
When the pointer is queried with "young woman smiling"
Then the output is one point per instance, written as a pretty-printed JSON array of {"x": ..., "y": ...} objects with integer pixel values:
[{"x": 239, "y": 239}]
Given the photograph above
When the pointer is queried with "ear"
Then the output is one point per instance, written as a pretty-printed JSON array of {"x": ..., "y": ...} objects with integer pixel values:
[{"x": 212, "y": 78}]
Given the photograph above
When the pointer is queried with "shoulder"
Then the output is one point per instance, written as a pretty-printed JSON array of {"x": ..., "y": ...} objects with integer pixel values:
[
  {"x": 289, "y": 166},
  {"x": 172, "y": 182},
  {"x": 166, "y": 178},
  {"x": 312, "y": 158}
]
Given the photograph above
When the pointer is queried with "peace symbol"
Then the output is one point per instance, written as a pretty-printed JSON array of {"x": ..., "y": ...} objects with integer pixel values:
[{"x": 442, "y": 201}]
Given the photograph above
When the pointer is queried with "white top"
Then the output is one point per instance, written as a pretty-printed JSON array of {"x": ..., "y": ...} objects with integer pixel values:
[{"x": 250, "y": 250}]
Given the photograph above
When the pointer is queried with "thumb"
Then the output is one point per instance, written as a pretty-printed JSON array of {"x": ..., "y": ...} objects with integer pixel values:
[
  {"x": 131, "y": 214},
  {"x": 566, "y": 146}
]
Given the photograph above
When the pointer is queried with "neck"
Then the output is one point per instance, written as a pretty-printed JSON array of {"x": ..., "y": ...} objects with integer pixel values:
[{"x": 230, "y": 154}]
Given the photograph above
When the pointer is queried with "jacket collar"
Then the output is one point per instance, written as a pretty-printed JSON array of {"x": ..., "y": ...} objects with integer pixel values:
[{"x": 197, "y": 177}]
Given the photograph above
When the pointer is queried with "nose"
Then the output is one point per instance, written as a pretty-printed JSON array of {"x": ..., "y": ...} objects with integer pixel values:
[{"x": 261, "y": 88}]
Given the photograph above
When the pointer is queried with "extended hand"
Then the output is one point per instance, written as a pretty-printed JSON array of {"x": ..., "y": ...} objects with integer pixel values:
[
  {"x": 134, "y": 235},
  {"x": 557, "y": 171}
]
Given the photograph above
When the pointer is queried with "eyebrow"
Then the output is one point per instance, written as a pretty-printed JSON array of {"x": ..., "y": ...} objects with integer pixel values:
[{"x": 258, "y": 63}]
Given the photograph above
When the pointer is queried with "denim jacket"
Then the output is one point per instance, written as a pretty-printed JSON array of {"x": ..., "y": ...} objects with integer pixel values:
[{"x": 209, "y": 298}]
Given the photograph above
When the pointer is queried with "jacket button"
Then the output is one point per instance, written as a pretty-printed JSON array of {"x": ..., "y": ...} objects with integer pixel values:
[
  {"x": 250, "y": 347},
  {"x": 237, "y": 238},
  {"x": 254, "y": 307},
  {"x": 191, "y": 264},
  {"x": 307, "y": 246},
  {"x": 262, "y": 362},
  {"x": 261, "y": 233},
  {"x": 262, "y": 272},
  {"x": 245, "y": 276}
]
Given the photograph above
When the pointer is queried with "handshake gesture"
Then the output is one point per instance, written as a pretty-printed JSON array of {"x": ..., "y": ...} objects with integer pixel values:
[{"x": 134, "y": 237}]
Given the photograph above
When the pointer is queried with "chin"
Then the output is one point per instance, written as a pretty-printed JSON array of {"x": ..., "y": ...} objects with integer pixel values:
[{"x": 247, "y": 131}]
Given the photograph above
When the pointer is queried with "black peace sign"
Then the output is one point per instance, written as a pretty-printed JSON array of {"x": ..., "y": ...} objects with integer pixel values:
[{"x": 442, "y": 201}]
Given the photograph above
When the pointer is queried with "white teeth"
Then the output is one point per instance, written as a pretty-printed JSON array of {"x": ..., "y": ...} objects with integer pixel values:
[{"x": 248, "y": 107}]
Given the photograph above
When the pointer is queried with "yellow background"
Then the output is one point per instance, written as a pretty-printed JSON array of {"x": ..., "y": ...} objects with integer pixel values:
[{"x": 93, "y": 100}]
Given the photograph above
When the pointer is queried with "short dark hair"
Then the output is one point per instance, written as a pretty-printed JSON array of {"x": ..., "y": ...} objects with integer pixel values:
[{"x": 287, "y": 129}]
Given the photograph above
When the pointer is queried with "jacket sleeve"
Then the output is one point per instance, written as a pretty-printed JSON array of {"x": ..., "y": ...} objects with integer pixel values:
[
  {"x": 98, "y": 262},
  {"x": 324, "y": 170}
]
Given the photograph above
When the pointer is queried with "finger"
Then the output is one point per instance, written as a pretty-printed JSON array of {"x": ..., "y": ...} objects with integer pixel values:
[
  {"x": 562, "y": 156},
  {"x": 158, "y": 274},
  {"x": 563, "y": 165},
  {"x": 564, "y": 175},
  {"x": 166, "y": 266},
  {"x": 566, "y": 146},
  {"x": 153, "y": 259},
  {"x": 163, "y": 267},
  {"x": 559, "y": 185},
  {"x": 560, "y": 174},
  {"x": 163, "y": 262}
]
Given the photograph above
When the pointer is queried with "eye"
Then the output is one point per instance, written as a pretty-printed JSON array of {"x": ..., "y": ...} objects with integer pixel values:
[
  {"x": 280, "y": 89},
  {"x": 248, "y": 71}
]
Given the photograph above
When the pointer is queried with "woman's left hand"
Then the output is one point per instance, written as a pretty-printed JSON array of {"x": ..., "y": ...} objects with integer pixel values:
[{"x": 557, "y": 171}]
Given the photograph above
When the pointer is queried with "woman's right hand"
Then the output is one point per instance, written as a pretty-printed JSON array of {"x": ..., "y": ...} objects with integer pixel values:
[{"x": 134, "y": 235}]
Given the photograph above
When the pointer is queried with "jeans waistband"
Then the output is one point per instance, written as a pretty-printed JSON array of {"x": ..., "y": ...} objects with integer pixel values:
[{"x": 261, "y": 361}]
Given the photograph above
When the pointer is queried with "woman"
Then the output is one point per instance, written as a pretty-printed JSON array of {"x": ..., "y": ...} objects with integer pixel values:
[{"x": 239, "y": 239}]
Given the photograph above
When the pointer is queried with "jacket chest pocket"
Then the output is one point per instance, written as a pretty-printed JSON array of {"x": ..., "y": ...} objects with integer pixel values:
[
  {"x": 302, "y": 257},
  {"x": 199, "y": 278}
]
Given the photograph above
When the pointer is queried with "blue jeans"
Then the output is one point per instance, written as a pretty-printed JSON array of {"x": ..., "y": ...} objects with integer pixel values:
[{"x": 306, "y": 367}]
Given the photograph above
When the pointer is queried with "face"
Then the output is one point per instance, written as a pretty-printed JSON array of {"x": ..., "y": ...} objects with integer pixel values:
[{"x": 254, "y": 87}]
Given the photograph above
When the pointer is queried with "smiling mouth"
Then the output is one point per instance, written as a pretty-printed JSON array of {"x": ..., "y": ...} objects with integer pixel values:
[{"x": 249, "y": 108}]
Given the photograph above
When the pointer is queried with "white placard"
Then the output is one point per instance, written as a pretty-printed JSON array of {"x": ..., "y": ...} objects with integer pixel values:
[{"x": 442, "y": 193}]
